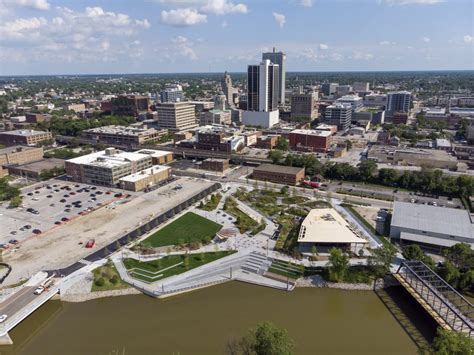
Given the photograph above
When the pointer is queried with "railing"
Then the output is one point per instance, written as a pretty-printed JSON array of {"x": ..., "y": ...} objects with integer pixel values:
[{"x": 455, "y": 310}]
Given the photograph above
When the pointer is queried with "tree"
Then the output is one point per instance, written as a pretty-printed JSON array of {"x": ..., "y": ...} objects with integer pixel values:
[
  {"x": 338, "y": 264},
  {"x": 276, "y": 156},
  {"x": 367, "y": 169},
  {"x": 414, "y": 252},
  {"x": 461, "y": 255},
  {"x": 381, "y": 259},
  {"x": 15, "y": 201},
  {"x": 449, "y": 273},
  {"x": 314, "y": 252},
  {"x": 448, "y": 342},
  {"x": 265, "y": 339},
  {"x": 348, "y": 145},
  {"x": 282, "y": 144}
]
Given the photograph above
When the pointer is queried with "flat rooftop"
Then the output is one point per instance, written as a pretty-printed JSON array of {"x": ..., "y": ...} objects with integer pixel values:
[
  {"x": 272, "y": 168},
  {"x": 122, "y": 130},
  {"x": 40, "y": 165},
  {"x": 23, "y": 132},
  {"x": 433, "y": 219},
  {"x": 325, "y": 225},
  {"x": 17, "y": 149},
  {"x": 313, "y": 132},
  {"x": 155, "y": 169}
]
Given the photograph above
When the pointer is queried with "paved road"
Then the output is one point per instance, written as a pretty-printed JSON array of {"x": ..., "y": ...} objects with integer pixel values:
[{"x": 17, "y": 301}]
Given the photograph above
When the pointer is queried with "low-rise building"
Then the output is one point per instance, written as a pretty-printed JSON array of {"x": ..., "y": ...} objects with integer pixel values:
[
  {"x": 310, "y": 140},
  {"x": 431, "y": 226},
  {"x": 212, "y": 164},
  {"x": 279, "y": 174},
  {"x": 129, "y": 105},
  {"x": 24, "y": 137},
  {"x": 107, "y": 167},
  {"x": 324, "y": 229},
  {"x": 413, "y": 157},
  {"x": 124, "y": 135},
  {"x": 267, "y": 141},
  {"x": 36, "y": 169},
  {"x": 18, "y": 155},
  {"x": 76, "y": 107},
  {"x": 304, "y": 106},
  {"x": 146, "y": 178},
  {"x": 215, "y": 116},
  {"x": 32, "y": 117}
]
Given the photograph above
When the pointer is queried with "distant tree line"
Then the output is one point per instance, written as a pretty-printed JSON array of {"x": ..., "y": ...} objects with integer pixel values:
[{"x": 69, "y": 127}]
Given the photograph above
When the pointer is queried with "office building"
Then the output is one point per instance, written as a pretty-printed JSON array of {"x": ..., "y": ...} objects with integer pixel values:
[
  {"x": 329, "y": 89},
  {"x": 129, "y": 105},
  {"x": 228, "y": 89},
  {"x": 215, "y": 117},
  {"x": 278, "y": 58},
  {"x": 399, "y": 118},
  {"x": 362, "y": 87},
  {"x": 338, "y": 115},
  {"x": 398, "y": 102},
  {"x": 375, "y": 100},
  {"x": 430, "y": 226},
  {"x": 107, "y": 167},
  {"x": 123, "y": 135},
  {"x": 31, "y": 117},
  {"x": 262, "y": 96},
  {"x": 24, "y": 137},
  {"x": 324, "y": 228},
  {"x": 304, "y": 106},
  {"x": 279, "y": 174},
  {"x": 172, "y": 93},
  {"x": 343, "y": 90},
  {"x": 311, "y": 140},
  {"x": 353, "y": 100},
  {"x": 176, "y": 116}
]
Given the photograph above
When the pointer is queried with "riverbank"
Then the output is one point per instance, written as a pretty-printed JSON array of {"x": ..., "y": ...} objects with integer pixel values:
[
  {"x": 317, "y": 281},
  {"x": 83, "y": 297}
]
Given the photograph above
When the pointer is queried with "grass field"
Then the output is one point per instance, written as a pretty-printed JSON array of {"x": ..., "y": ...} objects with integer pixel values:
[
  {"x": 187, "y": 228},
  {"x": 170, "y": 265},
  {"x": 284, "y": 268},
  {"x": 110, "y": 276}
]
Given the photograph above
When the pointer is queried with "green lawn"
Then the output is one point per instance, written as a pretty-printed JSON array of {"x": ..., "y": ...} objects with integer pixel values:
[
  {"x": 170, "y": 265},
  {"x": 284, "y": 268},
  {"x": 110, "y": 278},
  {"x": 186, "y": 229},
  {"x": 211, "y": 205}
]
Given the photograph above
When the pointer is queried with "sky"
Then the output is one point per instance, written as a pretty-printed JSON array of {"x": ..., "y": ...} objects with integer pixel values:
[{"x": 39, "y": 37}]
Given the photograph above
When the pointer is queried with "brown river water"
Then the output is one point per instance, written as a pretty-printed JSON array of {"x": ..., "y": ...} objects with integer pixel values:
[{"x": 320, "y": 321}]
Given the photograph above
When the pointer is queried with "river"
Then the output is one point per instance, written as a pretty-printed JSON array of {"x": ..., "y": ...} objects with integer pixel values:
[{"x": 321, "y": 321}]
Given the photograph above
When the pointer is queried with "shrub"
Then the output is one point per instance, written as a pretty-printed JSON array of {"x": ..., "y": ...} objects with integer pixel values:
[
  {"x": 114, "y": 279},
  {"x": 100, "y": 282}
]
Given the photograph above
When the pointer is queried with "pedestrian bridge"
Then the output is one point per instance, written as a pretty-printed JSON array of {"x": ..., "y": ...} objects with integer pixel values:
[{"x": 446, "y": 305}]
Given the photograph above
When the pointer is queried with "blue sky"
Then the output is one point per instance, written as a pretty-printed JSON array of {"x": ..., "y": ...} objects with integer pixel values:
[{"x": 161, "y": 36}]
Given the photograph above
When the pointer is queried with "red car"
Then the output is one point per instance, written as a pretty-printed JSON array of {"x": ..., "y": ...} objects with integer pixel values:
[{"x": 90, "y": 243}]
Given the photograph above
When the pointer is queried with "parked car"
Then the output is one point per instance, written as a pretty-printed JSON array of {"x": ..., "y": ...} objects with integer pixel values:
[
  {"x": 64, "y": 219},
  {"x": 3, "y": 318},
  {"x": 90, "y": 243},
  {"x": 36, "y": 231},
  {"x": 57, "y": 223},
  {"x": 13, "y": 241}
]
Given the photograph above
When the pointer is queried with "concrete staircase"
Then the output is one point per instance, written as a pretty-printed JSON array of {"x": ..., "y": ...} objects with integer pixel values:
[{"x": 256, "y": 263}]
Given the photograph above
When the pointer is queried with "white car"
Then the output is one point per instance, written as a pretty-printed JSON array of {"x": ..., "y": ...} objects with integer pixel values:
[
  {"x": 39, "y": 290},
  {"x": 3, "y": 318}
]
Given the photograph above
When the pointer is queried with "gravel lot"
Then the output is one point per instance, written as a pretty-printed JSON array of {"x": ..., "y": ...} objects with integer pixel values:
[{"x": 60, "y": 247}]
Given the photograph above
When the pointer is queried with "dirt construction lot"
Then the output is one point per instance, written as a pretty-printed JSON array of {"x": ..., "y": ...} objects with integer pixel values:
[{"x": 63, "y": 246}]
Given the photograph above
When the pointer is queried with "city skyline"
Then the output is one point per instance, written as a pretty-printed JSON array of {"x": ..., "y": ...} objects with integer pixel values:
[{"x": 41, "y": 37}]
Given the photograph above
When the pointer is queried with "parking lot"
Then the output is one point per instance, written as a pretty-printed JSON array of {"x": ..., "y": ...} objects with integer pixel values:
[{"x": 50, "y": 205}]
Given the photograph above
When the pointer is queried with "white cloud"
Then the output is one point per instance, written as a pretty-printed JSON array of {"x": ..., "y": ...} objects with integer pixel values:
[
  {"x": 90, "y": 35},
  {"x": 182, "y": 17},
  {"x": 35, "y": 4},
  {"x": 410, "y": 2},
  {"x": 184, "y": 47},
  {"x": 323, "y": 46},
  {"x": 222, "y": 7},
  {"x": 362, "y": 56},
  {"x": 426, "y": 39},
  {"x": 387, "y": 43},
  {"x": 224, "y": 24},
  {"x": 280, "y": 19},
  {"x": 306, "y": 3},
  {"x": 468, "y": 39}
]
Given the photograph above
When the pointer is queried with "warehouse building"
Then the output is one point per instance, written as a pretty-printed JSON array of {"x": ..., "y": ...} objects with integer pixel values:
[
  {"x": 24, "y": 137},
  {"x": 18, "y": 155},
  {"x": 430, "y": 226},
  {"x": 146, "y": 178},
  {"x": 279, "y": 174},
  {"x": 324, "y": 229},
  {"x": 311, "y": 140}
]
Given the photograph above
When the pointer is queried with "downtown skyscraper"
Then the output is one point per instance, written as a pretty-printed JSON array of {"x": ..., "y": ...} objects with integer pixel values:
[{"x": 278, "y": 58}]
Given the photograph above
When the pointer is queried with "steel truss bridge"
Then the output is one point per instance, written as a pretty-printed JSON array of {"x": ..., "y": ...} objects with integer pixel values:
[{"x": 446, "y": 305}]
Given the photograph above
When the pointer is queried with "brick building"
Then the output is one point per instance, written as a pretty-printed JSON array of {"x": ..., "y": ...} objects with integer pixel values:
[
  {"x": 310, "y": 140},
  {"x": 24, "y": 137},
  {"x": 279, "y": 174}
]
